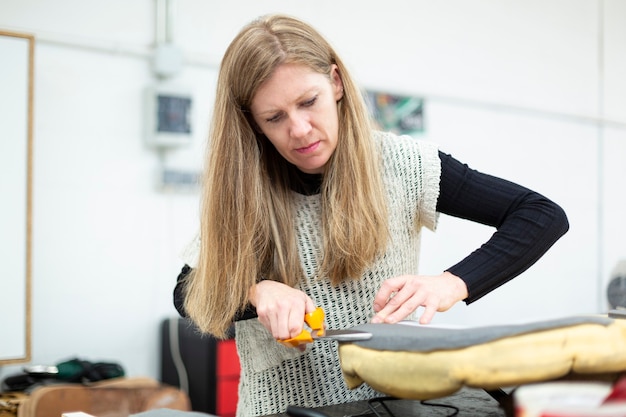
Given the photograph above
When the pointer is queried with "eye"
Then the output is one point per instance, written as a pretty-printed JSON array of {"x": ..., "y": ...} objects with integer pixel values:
[
  {"x": 274, "y": 119},
  {"x": 310, "y": 102}
]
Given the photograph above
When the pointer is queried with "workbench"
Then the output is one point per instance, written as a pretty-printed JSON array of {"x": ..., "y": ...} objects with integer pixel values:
[{"x": 469, "y": 402}]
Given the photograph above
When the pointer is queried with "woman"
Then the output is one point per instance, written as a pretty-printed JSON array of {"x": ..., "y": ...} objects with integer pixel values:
[{"x": 305, "y": 205}]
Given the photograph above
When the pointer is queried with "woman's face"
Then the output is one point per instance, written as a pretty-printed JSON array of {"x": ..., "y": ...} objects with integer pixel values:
[{"x": 296, "y": 109}]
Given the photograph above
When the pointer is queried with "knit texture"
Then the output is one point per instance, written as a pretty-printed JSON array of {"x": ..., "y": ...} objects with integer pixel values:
[{"x": 274, "y": 376}]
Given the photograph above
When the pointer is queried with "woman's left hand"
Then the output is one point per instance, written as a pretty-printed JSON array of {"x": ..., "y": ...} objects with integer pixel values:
[{"x": 400, "y": 296}]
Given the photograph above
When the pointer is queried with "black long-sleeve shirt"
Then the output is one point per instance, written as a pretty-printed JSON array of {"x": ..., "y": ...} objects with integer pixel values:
[{"x": 527, "y": 225}]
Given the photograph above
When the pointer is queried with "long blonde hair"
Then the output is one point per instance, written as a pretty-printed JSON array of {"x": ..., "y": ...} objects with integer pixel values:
[{"x": 247, "y": 226}]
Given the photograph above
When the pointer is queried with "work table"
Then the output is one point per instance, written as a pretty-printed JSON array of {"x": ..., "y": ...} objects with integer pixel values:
[{"x": 470, "y": 402}]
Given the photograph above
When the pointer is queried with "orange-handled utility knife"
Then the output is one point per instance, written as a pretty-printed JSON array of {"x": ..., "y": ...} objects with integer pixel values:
[{"x": 315, "y": 320}]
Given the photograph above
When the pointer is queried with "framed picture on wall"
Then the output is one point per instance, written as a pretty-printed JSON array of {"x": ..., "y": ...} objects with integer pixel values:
[
  {"x": 401, "y": 114},
  {"x": 16, "y": 133}
]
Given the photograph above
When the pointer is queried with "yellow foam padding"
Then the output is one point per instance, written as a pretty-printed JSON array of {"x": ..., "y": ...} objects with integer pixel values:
[{"x": 510, "y": 361}]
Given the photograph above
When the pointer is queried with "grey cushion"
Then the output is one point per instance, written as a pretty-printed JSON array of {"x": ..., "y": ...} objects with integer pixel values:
[{"x": 420, "y": 338}]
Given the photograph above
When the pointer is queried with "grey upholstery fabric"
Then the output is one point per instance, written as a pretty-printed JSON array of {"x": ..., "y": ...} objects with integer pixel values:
[{"x": 419, "y": 338}]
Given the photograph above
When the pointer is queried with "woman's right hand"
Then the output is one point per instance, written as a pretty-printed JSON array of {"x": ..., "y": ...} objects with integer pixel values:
[{"x": 280, "y": 308}]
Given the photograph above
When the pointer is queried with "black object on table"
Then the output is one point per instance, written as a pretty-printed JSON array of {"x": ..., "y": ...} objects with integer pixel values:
[{"x": 467, "y": 402}]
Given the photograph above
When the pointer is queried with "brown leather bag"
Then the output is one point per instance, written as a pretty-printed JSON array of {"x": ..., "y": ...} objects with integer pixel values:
[{"x": 111, "y": 398}]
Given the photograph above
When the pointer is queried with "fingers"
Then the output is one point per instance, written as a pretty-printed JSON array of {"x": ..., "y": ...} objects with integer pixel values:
[
  {"x": 428, "y": 314},
  {"x": 283, "y": 319},
  {"x": 397, "y": 298},
  {"x": 387, "y": 290},
  {"x": 281, "y": 308},
  {"x": 400, "y": 296},
  {"x": 310, "y": 305},
  {"x": 402, "y": 305}
]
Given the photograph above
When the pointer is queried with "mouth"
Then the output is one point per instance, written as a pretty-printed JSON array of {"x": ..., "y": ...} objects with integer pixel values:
[{"x": 310, "y": 148}]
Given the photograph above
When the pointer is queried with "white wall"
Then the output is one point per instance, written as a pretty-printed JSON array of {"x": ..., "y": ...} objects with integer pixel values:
[{"x": 513, "y": 88}]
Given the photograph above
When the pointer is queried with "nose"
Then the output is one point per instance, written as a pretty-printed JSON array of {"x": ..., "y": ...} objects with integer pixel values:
[{"x": 300, "y": 126}]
